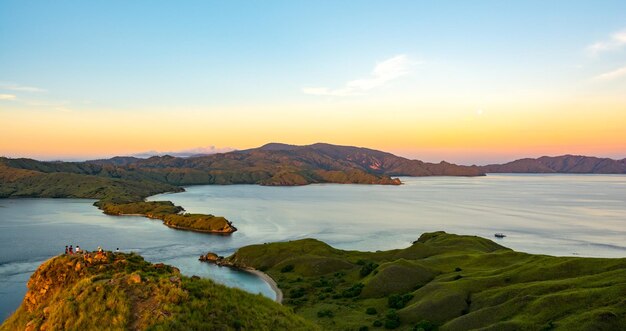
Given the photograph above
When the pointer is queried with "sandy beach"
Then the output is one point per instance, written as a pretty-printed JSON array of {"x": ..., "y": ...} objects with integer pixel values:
[{"x": 270, "y": 281}]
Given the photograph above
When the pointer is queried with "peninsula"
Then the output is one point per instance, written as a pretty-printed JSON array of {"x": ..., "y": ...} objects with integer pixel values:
[{"x": 442, "y": 281}]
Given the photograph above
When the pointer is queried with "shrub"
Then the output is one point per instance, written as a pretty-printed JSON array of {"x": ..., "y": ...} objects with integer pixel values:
[
  {"x": 457, "y": 269},
  {"x": 371, "y": 311},
  {"x": 297, "y": 292},
  {"x": 367, "y": 268},
  {"x": 287, "y": 268},
  {"x": 364, "y": 328},
  {"x": 353, "y": 291},
  {"x": 377, "y": 323},
  {"x": 457, "y": 277},
  {"x": 425, "y": 325},
  {"x": 392, "y": 320},
  {"x": 398, "y": 301},
  {"x": 325, "y": 313}
]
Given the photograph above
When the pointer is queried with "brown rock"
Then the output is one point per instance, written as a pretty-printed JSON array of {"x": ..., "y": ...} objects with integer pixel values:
[
  {"x": 175, "y": 279},
  {"x": 209, "y": 257},
  {"x": 134, "y": 279}
]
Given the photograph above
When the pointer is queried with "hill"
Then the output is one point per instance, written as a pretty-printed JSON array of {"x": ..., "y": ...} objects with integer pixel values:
[
  {"x": 443, "y": 281},
  {"x": 116, "y": 196},
  {"x": 123, "y": 292},
  {"x": 572, "y": 164},
  {"x": 373, "y": 161}
]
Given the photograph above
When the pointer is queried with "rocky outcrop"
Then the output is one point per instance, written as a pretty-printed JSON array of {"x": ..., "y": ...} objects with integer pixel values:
[{"x": 123, "y": 292}]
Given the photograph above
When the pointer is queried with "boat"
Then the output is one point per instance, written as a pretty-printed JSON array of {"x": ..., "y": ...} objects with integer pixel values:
[{"x": 500, "y": 235}]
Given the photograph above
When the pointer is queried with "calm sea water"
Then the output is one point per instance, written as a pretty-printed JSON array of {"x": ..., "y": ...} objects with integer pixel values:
[{"x": 548, "y": 214}]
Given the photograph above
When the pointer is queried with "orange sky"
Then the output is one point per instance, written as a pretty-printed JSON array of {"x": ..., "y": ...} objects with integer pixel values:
[
  {"x": 472, "y": 83},
  {"x": 498, "y": 132}
]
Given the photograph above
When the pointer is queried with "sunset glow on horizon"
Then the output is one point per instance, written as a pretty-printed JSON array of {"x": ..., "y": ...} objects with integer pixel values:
[{"x": 440, "y": 82}]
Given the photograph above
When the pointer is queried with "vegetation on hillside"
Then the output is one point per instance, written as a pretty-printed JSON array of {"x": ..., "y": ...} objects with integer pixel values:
[
  {"x": 124, "y": 292},
  {"x": 445, "y": 282},
  {"x": 116, "y": 196},
  {"x": 171, "y": 215}
]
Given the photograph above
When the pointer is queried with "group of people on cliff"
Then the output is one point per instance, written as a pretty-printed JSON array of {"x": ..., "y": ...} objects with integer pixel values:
[{"x": 69, "y": 250}]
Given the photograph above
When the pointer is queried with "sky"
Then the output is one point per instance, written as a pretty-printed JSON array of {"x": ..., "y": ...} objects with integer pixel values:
[{"x": 471, "y": 82}]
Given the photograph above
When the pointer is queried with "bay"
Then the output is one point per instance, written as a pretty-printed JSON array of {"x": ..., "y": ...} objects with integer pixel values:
[{"x": 581, "y": 215}]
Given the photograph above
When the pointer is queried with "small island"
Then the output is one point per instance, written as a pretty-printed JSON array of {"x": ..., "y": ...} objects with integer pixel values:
[{"x": 171, "y": 215}]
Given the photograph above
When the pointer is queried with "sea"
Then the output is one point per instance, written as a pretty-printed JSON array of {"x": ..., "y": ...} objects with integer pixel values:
[{"x": 553, "y": 214}]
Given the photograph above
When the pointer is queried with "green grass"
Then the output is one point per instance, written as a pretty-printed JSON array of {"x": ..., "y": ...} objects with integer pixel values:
[
  {"x": 171, "y": 215},
  {"x": 446, "y": 281},
  {"x": 123, "y": 292}
]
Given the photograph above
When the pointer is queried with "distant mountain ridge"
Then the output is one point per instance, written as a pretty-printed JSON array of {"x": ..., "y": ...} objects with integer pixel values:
[
  {"x": 572, "y": 164},
  {"x": 374, "y": 161},
  {"x": 125, "y": 179}
]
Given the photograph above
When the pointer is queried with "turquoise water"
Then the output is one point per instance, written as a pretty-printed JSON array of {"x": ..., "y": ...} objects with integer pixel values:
[
  {"x": 34, "y": 230},
  {"x": 548, "y": 214}
]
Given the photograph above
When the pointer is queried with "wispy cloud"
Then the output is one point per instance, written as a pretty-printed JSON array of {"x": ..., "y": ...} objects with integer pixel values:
[
  {"x": 7, "y": 97},
  {"x": 384, "y": 72},
  {"x": 616, "y": 41},
  {"x": 20, "y": 88},
  {"x": 621, "y": 72},
  {"x": 187, "y": 152}
]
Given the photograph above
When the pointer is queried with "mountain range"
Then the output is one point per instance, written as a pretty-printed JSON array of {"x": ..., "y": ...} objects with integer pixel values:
[
  {"x": 130, "y": 179},
  {"x": 571, "y": 164}
]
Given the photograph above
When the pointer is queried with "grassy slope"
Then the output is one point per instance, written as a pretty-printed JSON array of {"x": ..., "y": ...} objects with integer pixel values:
[
  {"x": 453, "y": 282},
  {"x": 123, "y": 292}
]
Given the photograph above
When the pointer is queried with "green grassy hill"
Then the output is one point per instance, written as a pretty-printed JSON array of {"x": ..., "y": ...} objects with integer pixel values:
[
  {"x": 443, "y": 281},
  {"x": 123, "y": 292}
]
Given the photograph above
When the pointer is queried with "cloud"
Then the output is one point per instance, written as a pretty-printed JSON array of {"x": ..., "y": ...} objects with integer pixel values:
[
  {"x": 616, "y": 41},
  {"x": 621, "y": 72},
  {"x": 384, "y": 72},
  {"x": 187, "y": 152},
  {"x": 20, "y": 88},
  {"x": 7, "y": 97}
]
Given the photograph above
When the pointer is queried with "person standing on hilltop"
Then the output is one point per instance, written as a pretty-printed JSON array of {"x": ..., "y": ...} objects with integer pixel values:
[
  {"x": 66, "y": 250},
  {"x": 71, "y": 250},
  {"x": 78, "y": 251}
]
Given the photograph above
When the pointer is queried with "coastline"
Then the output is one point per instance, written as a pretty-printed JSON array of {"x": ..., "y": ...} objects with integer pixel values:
[
  {"x": 176, "y": 227},
  {"x": 269, "y": 280}
]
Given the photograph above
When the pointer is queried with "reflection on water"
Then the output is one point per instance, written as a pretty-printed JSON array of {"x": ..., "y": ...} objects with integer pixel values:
[{"x": 548, "y": 214}]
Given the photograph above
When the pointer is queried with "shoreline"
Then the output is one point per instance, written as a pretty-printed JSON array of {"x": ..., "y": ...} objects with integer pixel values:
[
  {"x": 176, "y": 227},
  {"x": 269, "y": 280}
]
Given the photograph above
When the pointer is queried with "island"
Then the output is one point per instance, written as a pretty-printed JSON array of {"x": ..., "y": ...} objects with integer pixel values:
[{"x": 171, "y": 215}]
